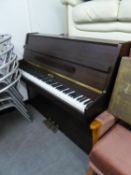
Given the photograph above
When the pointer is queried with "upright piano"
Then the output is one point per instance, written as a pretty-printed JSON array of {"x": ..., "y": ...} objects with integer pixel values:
[{"x": 71, "y": 79}]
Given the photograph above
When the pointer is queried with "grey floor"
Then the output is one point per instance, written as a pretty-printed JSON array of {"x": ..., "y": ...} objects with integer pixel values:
[{"x": 32, "y": 149}]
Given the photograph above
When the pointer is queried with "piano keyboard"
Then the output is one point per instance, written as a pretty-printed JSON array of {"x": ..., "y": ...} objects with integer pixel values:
[{"x": 64, "y": 93}]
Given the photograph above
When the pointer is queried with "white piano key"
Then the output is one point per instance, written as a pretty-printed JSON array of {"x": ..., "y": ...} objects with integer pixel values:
[
  {"x": 70, "y": 92},
  {"x": 65, "y": 90},
  {"x": 79, "y": 97},
  {"x": 57, "y": 86},
  {"x": 85, "y": 100}
]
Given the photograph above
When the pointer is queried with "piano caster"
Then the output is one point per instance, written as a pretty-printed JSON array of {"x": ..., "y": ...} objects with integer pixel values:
[{"x": 51, "y": 125}]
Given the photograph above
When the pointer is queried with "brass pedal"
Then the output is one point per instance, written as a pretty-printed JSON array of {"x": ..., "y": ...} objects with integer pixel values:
[
  {"x": 55, "y": 127},
  {"x": 48, "y": 122},
  {"x": 51, "y": 125}
]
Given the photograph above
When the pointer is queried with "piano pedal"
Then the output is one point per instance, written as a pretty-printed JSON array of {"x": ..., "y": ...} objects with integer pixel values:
[
  {"x": 54, "y": 127},
  {"x": 51, "y": 125},
  {"x": 48, "y": 123}
]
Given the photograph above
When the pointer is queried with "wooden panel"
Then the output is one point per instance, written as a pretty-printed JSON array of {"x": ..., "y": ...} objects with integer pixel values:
[
  {"x": 80, "y": 73},
  {"x": 94, "y": 55},
  {"x": 120, "y": 105}
]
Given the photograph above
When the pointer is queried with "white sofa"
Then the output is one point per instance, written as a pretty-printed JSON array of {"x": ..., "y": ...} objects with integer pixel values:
[{"x": 102, "y": 19}]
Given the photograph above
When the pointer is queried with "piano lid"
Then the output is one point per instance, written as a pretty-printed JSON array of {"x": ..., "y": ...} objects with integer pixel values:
[{"x": 89, "y": 39}]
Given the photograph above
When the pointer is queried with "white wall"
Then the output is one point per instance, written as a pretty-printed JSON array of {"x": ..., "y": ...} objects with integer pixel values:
[
  {"x": 14, "y": 20},
  {"x": 46, "y": 16},
  {"x": 19, "y": 17}
]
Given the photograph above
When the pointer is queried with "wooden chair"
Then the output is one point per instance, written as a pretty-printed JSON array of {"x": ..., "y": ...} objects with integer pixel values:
[{"x": 111, "y": 153}]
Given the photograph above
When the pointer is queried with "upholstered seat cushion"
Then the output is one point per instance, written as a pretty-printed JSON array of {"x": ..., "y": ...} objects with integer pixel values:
[
  {"x": 112, "y": 154},
  {"x": 92, "y": 11}
]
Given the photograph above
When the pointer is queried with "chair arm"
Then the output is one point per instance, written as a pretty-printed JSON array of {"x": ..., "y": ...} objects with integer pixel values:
[
  {"x": 71, "y": 2},
  {"x": 101, "y": 125}
]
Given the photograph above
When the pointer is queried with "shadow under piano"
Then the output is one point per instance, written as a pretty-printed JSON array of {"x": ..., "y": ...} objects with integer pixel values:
[{"x": 70, "y": 80}]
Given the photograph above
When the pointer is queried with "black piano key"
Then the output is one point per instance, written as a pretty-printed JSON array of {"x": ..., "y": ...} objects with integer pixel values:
[
  {"x": 51, "y": 82},
  {"x": 43, "y": 77},
  {"x": 37, "y": 74},
  {"x": 71, "y": 92},
  {"x": 57, "y": 84},
  {"x": 48, "y": 81},
  {"x": 74, "y": 94},
  {"x": 67, "y": 91},
  {"x": 54, "y": 83},
  {"x": 61, "y": 88},
  {"x": 40, "y": 76},
  {"x": 89, "y": 102},
  {"x": 83, "y": 99},
  {"x": 80, "y": 98},
  {"x": 46, "y": 76},
  {"x": 86, "y": 102}
]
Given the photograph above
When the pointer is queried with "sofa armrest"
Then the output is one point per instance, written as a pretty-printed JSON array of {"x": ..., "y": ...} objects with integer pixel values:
[
  {"x": 101, "y": 125},
  {"x": 71, "y": 2}
]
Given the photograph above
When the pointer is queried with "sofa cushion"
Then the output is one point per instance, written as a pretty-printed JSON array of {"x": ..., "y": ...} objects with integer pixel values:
[
  {"x": 118, "y": 26},
  {"x": 96, "y": 11},
  {"x": 124, "y": 13},
  {"x": 112, "y": 154}
]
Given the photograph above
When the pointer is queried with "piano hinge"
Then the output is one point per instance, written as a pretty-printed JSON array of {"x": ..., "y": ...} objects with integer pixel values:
[{"x": 45, "y": 68}]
